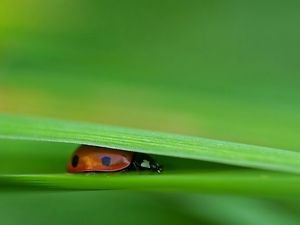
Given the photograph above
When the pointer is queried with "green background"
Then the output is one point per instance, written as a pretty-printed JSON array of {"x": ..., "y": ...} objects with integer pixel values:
[{"x": 224, "y": 70}]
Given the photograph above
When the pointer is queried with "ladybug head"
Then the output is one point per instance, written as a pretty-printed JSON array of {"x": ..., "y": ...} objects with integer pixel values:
[{"x": 145, "y": 162}]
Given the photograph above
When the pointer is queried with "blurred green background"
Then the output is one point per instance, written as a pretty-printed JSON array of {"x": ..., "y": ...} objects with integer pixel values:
[{"x": 224, "y": 70}]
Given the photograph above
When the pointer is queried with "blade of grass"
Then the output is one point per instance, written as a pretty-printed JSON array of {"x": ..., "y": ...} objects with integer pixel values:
[
  {"x": 249, "y": 183},
  {"x": 38, "y": 129}
]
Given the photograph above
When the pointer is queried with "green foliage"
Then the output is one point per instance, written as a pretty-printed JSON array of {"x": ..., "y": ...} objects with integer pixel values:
[
  {"x": 186, "y": 179},
  {"x": 149, "y": 142}
]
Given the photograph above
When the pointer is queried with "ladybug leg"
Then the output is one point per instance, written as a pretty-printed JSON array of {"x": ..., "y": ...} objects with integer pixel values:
[{"x": 134, "y": 166}]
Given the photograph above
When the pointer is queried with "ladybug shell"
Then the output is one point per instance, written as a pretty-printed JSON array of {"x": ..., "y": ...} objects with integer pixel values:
[{"x": 98, "y": 159}]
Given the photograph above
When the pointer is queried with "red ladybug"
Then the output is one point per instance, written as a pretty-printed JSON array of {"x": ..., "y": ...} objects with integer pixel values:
[{"x": 99, "y": 159}]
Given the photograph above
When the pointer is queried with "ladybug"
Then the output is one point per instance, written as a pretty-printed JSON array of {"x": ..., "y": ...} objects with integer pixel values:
[{"x": 99, "y": 159}]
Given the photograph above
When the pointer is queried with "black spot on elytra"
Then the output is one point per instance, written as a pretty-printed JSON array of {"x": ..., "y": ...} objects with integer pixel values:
[
  {"x": 106, "y": 160},
  {"x": 75, "y": 160}
]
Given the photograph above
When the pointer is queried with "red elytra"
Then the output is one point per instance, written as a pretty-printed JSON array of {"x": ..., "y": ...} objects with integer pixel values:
[{"x": 96, "y": 159}]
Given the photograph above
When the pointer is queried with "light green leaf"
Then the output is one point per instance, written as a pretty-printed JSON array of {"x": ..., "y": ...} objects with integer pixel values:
[{"x": 13, "y": 127}]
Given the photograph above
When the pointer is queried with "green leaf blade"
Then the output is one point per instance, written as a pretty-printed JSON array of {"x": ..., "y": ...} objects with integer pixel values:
[
  {"x": 14, "y": 127},
  {"x": 231, "y": 182}
]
